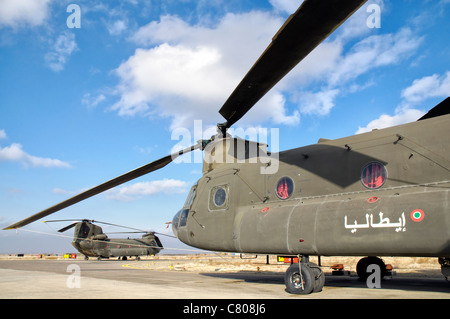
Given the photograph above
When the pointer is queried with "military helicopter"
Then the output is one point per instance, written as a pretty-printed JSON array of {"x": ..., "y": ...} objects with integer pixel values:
[
  {"x": 90, "y": 240},
  {"x": 381, "y": 193}
]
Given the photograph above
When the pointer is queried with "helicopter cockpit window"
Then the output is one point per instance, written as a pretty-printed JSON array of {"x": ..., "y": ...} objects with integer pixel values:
[
  {"x": 285, "y": 188},
  {"x": 191, "y": 197},
  {"x": 84, "y": 231},
  {"x": 218, "y": 197},
  {"x": 373, "y": 175},
  {"x": 183, "y": 217}
]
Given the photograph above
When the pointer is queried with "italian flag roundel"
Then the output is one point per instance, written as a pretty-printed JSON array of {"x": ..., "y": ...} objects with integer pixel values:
[{"x": 417, "y": 215}]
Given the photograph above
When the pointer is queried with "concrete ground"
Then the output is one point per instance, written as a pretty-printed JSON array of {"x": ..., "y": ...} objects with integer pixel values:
[{"x": 205, "y": 277}]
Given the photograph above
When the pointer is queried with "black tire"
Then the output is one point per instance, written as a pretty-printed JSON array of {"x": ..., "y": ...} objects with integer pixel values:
[
  {"x": 363, "y": 263},
  {"x": 319, "y": 277},
  {"x": 292, "y": 280}
]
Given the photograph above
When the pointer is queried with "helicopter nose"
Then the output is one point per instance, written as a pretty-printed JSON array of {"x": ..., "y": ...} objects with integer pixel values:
[{"x": 175, "y": 220}]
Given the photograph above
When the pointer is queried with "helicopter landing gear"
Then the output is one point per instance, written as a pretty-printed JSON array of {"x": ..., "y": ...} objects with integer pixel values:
[
  {"x": 445, "y": 267},
  {"x": 304, "y": 278},
  {"x": 363, "y": 263}
]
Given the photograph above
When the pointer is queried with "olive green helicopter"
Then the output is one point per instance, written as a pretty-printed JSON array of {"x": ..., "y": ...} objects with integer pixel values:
[
  {"x": 90, "y": 240},
  {"x": 380, "y": 193}
]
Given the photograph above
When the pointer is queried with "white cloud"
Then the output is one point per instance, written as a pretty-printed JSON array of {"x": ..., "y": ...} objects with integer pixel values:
[
  {"x": 61, "y": 50},
  {"x": 337, "y": 70},
  {"x": 186, "y": 72},
  {"x": 168, "y": 30},
  {"x": 374, "y": 51},
  {"x": 421, "y": 89},
  {"x": 318, "y": 66},
  {"x": 117, "y": 28},
  {"x": 15, "y": 153},
  {"x": 273, "y": 105},
  {"x": 427, "y": 87},
  {"x": 192, "y": 69},
  {"x": 138, "y": 190},
  {"x": 289, "y": 6},
  {"x": 401, "y": 116},
  {"x": 356, "y": 25},
  {"x": 318, "y": 103},
  {"x": 92, "y": 101},
  {"x": 17, "y": 13}
]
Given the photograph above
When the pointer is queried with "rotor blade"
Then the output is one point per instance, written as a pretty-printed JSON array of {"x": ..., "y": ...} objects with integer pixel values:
[
  {"x": 165, "y": 235},
  {"x": 129, "y": 232},
  {"x": 136, "y": 229},
  {"x": 62, "y": 230},
  {"x": 440, "y": 109},
  {"x": 313, "y": 21},
  {"x": 62, "y": 220},
  {"x": 153, "y": 166},
  {"x": 140, "y": 232}
]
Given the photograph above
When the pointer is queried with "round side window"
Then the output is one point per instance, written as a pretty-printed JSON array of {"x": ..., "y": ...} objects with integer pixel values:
[
  {"x": 285, "y": 188},
  {"x": 373, "y": 175},
  {"x": 220, "y": 197}
]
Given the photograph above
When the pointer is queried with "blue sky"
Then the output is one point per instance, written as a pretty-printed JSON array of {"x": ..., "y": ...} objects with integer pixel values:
[{"x": 79, "y": 106}]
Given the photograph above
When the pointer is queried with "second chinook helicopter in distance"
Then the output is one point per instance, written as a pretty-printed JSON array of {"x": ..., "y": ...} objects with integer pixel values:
[
  {"x": 90, "y": 240},
  {"x": 381, "y": 193}
]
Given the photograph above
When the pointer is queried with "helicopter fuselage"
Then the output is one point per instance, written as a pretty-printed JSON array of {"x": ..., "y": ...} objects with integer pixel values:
[
  {"x": 116, "y": 247},
  {"x": 381, "y": 193},
  {"x": 90, "y": 240}
]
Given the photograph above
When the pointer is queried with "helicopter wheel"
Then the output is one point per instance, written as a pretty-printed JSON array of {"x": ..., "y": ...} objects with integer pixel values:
[
  {"x": 299, "y": 283},
  {"x": 319, "y": 277},
  {"x": 361, "y": 267},
  {"x": 445, "y": 267}
]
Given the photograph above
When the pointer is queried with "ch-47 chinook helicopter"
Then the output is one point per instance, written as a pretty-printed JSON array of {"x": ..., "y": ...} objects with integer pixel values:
[
  {"x": 381, "y": 193},
  {"x": 90, "y": 240}
]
